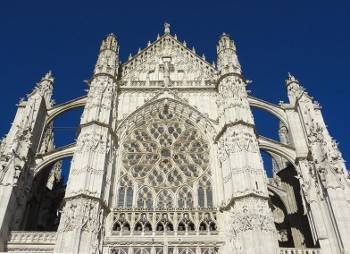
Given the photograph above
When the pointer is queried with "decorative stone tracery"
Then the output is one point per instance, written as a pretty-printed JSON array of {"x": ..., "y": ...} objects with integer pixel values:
[{"x": 166, "y": 156}]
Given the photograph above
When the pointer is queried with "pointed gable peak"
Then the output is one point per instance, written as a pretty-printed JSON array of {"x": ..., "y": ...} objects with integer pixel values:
[
  {"x": 167, "y": 62},
  {"x": 167, "y": 39}
]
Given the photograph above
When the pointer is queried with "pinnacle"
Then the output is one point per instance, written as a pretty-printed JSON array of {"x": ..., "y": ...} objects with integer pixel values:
[
  {"x": 48, "y": 76},
  {"x": 291, "y": 78}
]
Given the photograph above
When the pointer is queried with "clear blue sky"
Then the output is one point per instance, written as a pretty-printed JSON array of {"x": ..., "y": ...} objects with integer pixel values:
[{"x": 311, "y": 39}]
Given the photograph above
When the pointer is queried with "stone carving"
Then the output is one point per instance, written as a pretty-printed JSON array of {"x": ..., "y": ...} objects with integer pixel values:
[
  {"x": 81, "y": 214},
  {"x": 232, "y": 101},
  {"x": 147, "y": 150},
  {"x": 135, "y": 221},
  {"x": 145, "y": 69},
  {"x": 327, "y": 158},
  {"x": 235, "y": 140},
  {"x": 251, "y": 214},
  {"x": 24, "y": 237},
  {"x": 177, "y": 151},
  {"x": 93, "y": 142}
]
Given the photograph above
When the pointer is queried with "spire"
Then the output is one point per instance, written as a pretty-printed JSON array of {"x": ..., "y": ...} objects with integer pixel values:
[
  {"x": 108, "y": 58},
  {"x": 227, "y": 59},
  {"x": 166, "y": 28}
]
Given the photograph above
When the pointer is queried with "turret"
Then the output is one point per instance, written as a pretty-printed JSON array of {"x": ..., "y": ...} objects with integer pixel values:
[
  {"x": 233, "y": 97},
  {"x": 227, "y": 60},
  {"x": 108, "y": 58}
]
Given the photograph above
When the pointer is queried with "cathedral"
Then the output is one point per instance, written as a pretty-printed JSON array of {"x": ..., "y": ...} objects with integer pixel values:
[{"x": 167, "y": 160}]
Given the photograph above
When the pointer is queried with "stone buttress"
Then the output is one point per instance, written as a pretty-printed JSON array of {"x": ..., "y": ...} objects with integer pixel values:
[
  {"x": 16, "y": 155},
  {"x": 87, "y": 194},
  {"x": 248, "y": 221}
]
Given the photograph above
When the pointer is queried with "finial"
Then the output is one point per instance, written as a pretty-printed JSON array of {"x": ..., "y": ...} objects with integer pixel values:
[
  {"x": 166, "y": 28},
  {"x": 139, "y": 50},
  {"x": 148, "y": 43},
  {"x": 291, "y": 78},
  {"x": 184, "y": 43},
  {"x": 158, "y": 36},
  {"x": 48, "y": 76},
  {"x": 193, "y": 50},
  {"x": 225, "y": 35},
  {"x": 175, "y": 36},
  {"x": 203, "y": 56},
  {"x": 129, "y": 56}
]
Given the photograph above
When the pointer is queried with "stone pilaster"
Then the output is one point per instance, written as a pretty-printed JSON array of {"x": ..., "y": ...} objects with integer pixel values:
[
  {"x": 326, "y": 171},
  {"x": 16, "y": 155},
  {"x": 249, "y": 225},
  {"x": 86, "y": 200}
]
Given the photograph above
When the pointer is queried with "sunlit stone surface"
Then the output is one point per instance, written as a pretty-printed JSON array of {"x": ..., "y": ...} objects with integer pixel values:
[{"x": 168, "y": 160}]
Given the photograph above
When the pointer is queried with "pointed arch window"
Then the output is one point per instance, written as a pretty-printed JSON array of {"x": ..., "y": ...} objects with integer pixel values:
[
  {"x": 165, "y": 199},
  {"x": 185, "y": 198},
  {"x": 125, "y": 192},
  {"x": 205, "y": 193},
  {"x": 145, "y": 198}
]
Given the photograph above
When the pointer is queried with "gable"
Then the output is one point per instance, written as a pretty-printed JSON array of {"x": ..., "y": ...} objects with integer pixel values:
[{"x": 167, "y": 59}]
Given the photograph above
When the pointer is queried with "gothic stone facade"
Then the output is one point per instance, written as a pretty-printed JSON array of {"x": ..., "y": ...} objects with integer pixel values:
[{"x": 168, "y": 160}]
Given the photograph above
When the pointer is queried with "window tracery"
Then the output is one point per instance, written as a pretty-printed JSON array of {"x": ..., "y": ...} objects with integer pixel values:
[
  {"x": 125, "y": 192},
  {"x": 165, "y": 199},
  {"x": 168, "y": 156},
  {"x": 186, "y": 224},
  {"x": 185, "y": 198},
  {"x": 205, "y": 195},
  {"x": 121, "y": 225},
  {"x": 145, "y": 198}
]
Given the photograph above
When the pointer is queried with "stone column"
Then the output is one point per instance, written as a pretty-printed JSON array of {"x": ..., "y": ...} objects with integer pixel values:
[
  {"x": 17, "y": 152},
  {"x": 249, "y": 224},
  {"x": 87, "y": 194}
]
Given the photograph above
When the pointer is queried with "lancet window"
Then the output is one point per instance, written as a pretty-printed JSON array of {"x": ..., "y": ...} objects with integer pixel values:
[
  {"x": 205, "y": 195},
  {"x": 185, "y": 198},
  {"x": 125, "y": 192}
]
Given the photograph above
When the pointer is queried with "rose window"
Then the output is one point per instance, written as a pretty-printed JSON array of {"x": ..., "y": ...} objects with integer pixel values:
[{"x": 165, "y": 151}]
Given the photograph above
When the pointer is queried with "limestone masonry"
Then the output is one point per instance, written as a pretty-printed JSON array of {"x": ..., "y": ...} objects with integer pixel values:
[{"x": 167, "y": 160}]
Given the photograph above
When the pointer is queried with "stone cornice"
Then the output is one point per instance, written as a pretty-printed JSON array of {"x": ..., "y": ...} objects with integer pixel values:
[
  {"x": 109, "y": 128},
  {"x": 242, "y": 196},
  {"x": 155, "y": 88},
  {"x": 226, "y": 126},
  {"x": 84, "y": 195},
  {"x": 230, "y": 74}
]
